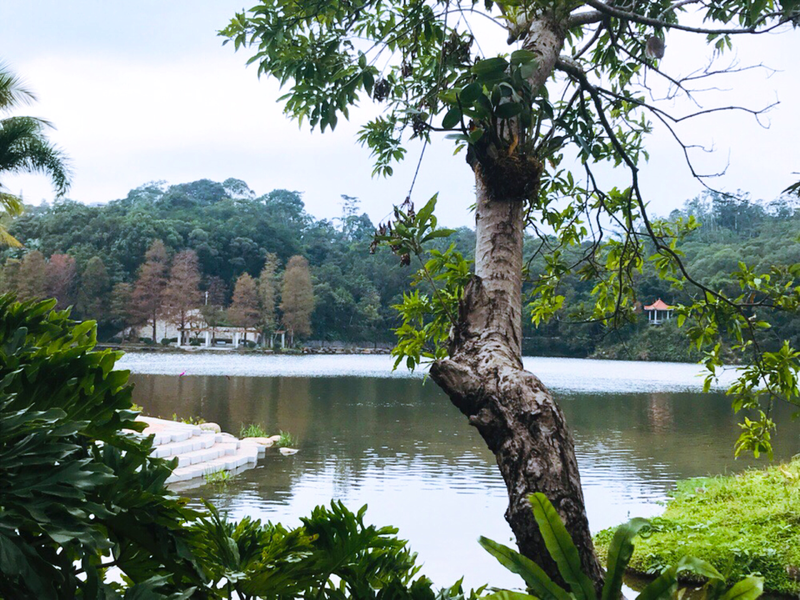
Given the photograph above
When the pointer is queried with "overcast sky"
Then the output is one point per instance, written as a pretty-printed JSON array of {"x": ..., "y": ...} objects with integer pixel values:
[{"x": 143, "y": 91}]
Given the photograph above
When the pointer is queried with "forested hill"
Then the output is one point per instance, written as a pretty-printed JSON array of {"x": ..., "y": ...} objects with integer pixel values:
[{"x": 233, "y": 231}]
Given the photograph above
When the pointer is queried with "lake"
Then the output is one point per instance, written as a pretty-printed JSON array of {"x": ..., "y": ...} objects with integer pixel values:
[{"x": 368, "y": 435}]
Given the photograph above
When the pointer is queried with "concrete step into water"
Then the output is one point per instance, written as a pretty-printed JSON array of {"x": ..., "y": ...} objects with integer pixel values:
[{"x": 199, "y": 452}]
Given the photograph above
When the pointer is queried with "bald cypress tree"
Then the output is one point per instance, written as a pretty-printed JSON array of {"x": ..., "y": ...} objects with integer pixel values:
[
  {"x": 149, "y": 288},
  {"x": 267, "y": 293},
  {"x": 32, "y": 277},
  {"x": 182, "y": 292},
  {"x": 62, "y": 279},
  {"x": 297, "y": 298},
  {"x": 243, "y": 311}
]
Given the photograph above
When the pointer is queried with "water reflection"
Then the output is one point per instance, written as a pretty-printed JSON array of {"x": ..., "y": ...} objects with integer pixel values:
[{"x": 403, "y": 448}]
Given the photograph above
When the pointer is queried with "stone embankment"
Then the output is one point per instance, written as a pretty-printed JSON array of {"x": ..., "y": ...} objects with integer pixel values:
[{"x": 202, "y": 449}]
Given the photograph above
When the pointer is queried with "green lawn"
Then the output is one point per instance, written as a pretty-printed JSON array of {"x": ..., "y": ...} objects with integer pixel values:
[{"x": 744, "y": 524}]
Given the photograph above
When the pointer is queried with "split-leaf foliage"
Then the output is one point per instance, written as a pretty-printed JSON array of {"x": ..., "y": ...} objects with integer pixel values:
[{"x": 85, "y": 513}]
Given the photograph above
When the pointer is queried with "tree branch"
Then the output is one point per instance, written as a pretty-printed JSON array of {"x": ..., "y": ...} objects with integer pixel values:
[{"x": 617, "y": 13}]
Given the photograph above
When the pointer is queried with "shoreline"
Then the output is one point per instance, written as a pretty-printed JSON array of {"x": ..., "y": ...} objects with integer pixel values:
[{"x": 308, "y": 350}]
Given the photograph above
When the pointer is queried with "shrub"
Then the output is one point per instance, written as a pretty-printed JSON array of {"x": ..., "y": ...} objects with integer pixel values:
[{"x": 79, "y": 489}]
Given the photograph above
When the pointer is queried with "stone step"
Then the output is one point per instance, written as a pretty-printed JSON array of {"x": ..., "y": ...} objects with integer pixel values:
[
  {"x": 198, "y": 442},
  {"x": 239, "y": 458},
  {"x": 200, "y": 456},
  {"x": 166, "y": 432},
  {"x": 199, "y": 452}
]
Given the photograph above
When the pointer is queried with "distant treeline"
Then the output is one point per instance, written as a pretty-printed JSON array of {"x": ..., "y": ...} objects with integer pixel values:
[{"x": 83, "y": 252}]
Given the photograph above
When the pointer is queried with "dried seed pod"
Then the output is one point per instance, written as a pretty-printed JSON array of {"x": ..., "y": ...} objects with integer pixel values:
[
  {"x": 654, "y": 48},
  {"x": 381, "y": 90}
]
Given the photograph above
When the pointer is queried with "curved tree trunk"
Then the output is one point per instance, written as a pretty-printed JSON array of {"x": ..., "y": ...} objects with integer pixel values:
[{"x": 511, "y": 408}]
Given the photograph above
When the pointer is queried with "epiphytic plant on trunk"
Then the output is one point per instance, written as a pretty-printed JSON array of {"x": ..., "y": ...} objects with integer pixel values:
[{"x": 575, "y": 78}]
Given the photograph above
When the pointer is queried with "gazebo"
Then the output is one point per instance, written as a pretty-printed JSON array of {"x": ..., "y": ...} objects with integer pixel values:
[{"x": 658, "y": 312}]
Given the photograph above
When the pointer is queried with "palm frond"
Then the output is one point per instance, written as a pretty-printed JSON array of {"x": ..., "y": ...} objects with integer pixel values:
[
  {"x": 25, "y": 149},
  {"x": 11, "y": 204},
  {"x": 12, "y": 91},
  {"x": 6, "y": 239}
]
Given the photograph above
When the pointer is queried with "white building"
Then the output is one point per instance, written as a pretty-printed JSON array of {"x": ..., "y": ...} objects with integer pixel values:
[{"x": 195, "y": 329}]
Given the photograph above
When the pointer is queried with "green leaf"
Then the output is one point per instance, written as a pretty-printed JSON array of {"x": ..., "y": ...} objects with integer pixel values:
[
  {"x": 490, "y": 69},
  {"x": 559, "y": 544},
  {"x": 424, "y": 214},
  {"x": 509, "y": 595},
  {"x": 533, "y": 575},
  {"x": 699, "y": 567},
  {"x": 439, "y": 233},
  {"x": 452, "y": 118},
  {"x": 471, "y": 93},
  {"x": 663, "y": 587},
  {"x": 369, "y": 81},
  {"x": 747, "y": 589},
  {"x": 508, "y": 110},
  {"x": 521, "y": 57},
  {"x": 619, "y": 554}
]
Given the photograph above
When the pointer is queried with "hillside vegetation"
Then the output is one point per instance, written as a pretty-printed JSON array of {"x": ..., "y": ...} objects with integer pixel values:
[{"x": 79, "y": 253}]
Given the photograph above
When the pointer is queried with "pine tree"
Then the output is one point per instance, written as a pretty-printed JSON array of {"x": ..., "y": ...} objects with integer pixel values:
[
  {"x": 94, "y": 292},
  {"x": 32, "y": 277},
  {"x": 297, "y": 298},
  {"x": 182, "y": 293},
  {"x": 267, "y": 292},
  {"x": 62, "y": 279},
  {"x": 244, "y": 308},
  {"x": 149, "y": 288}
]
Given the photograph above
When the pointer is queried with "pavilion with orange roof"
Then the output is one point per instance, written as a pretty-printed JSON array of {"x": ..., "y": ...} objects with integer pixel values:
[{"x": 658, "y": 312}]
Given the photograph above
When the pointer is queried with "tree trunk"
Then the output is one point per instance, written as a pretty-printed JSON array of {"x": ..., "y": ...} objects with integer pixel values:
[{"x": 514, "y": 413}]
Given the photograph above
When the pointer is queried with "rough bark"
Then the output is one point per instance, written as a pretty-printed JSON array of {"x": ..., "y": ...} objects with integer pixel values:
[
  {"x": 484, "y": 377},
  {"x": 513, "y": 411}
]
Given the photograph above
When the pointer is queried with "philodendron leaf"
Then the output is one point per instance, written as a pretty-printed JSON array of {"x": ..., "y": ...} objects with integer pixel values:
[
  {"x": 559, "y": 544},
  {"x": 533, "y": 575},
  {"x": 619, "y": 554}
]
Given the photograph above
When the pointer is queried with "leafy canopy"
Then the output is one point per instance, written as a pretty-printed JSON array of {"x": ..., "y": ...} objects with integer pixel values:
[{"x": 437, "y": 66}]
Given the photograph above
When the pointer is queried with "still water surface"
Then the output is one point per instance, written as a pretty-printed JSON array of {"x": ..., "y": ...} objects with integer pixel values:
[{"x": 368, "y": 436}]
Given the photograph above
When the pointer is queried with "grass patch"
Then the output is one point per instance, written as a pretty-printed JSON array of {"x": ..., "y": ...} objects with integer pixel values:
[
  {"x": 746, "y": 524},
  {"x": 218, "y": 478},
  {"x": 287, "y": 440},
  {"x": 188, "y": 420},
  {"x": 252, "y": 430}
]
